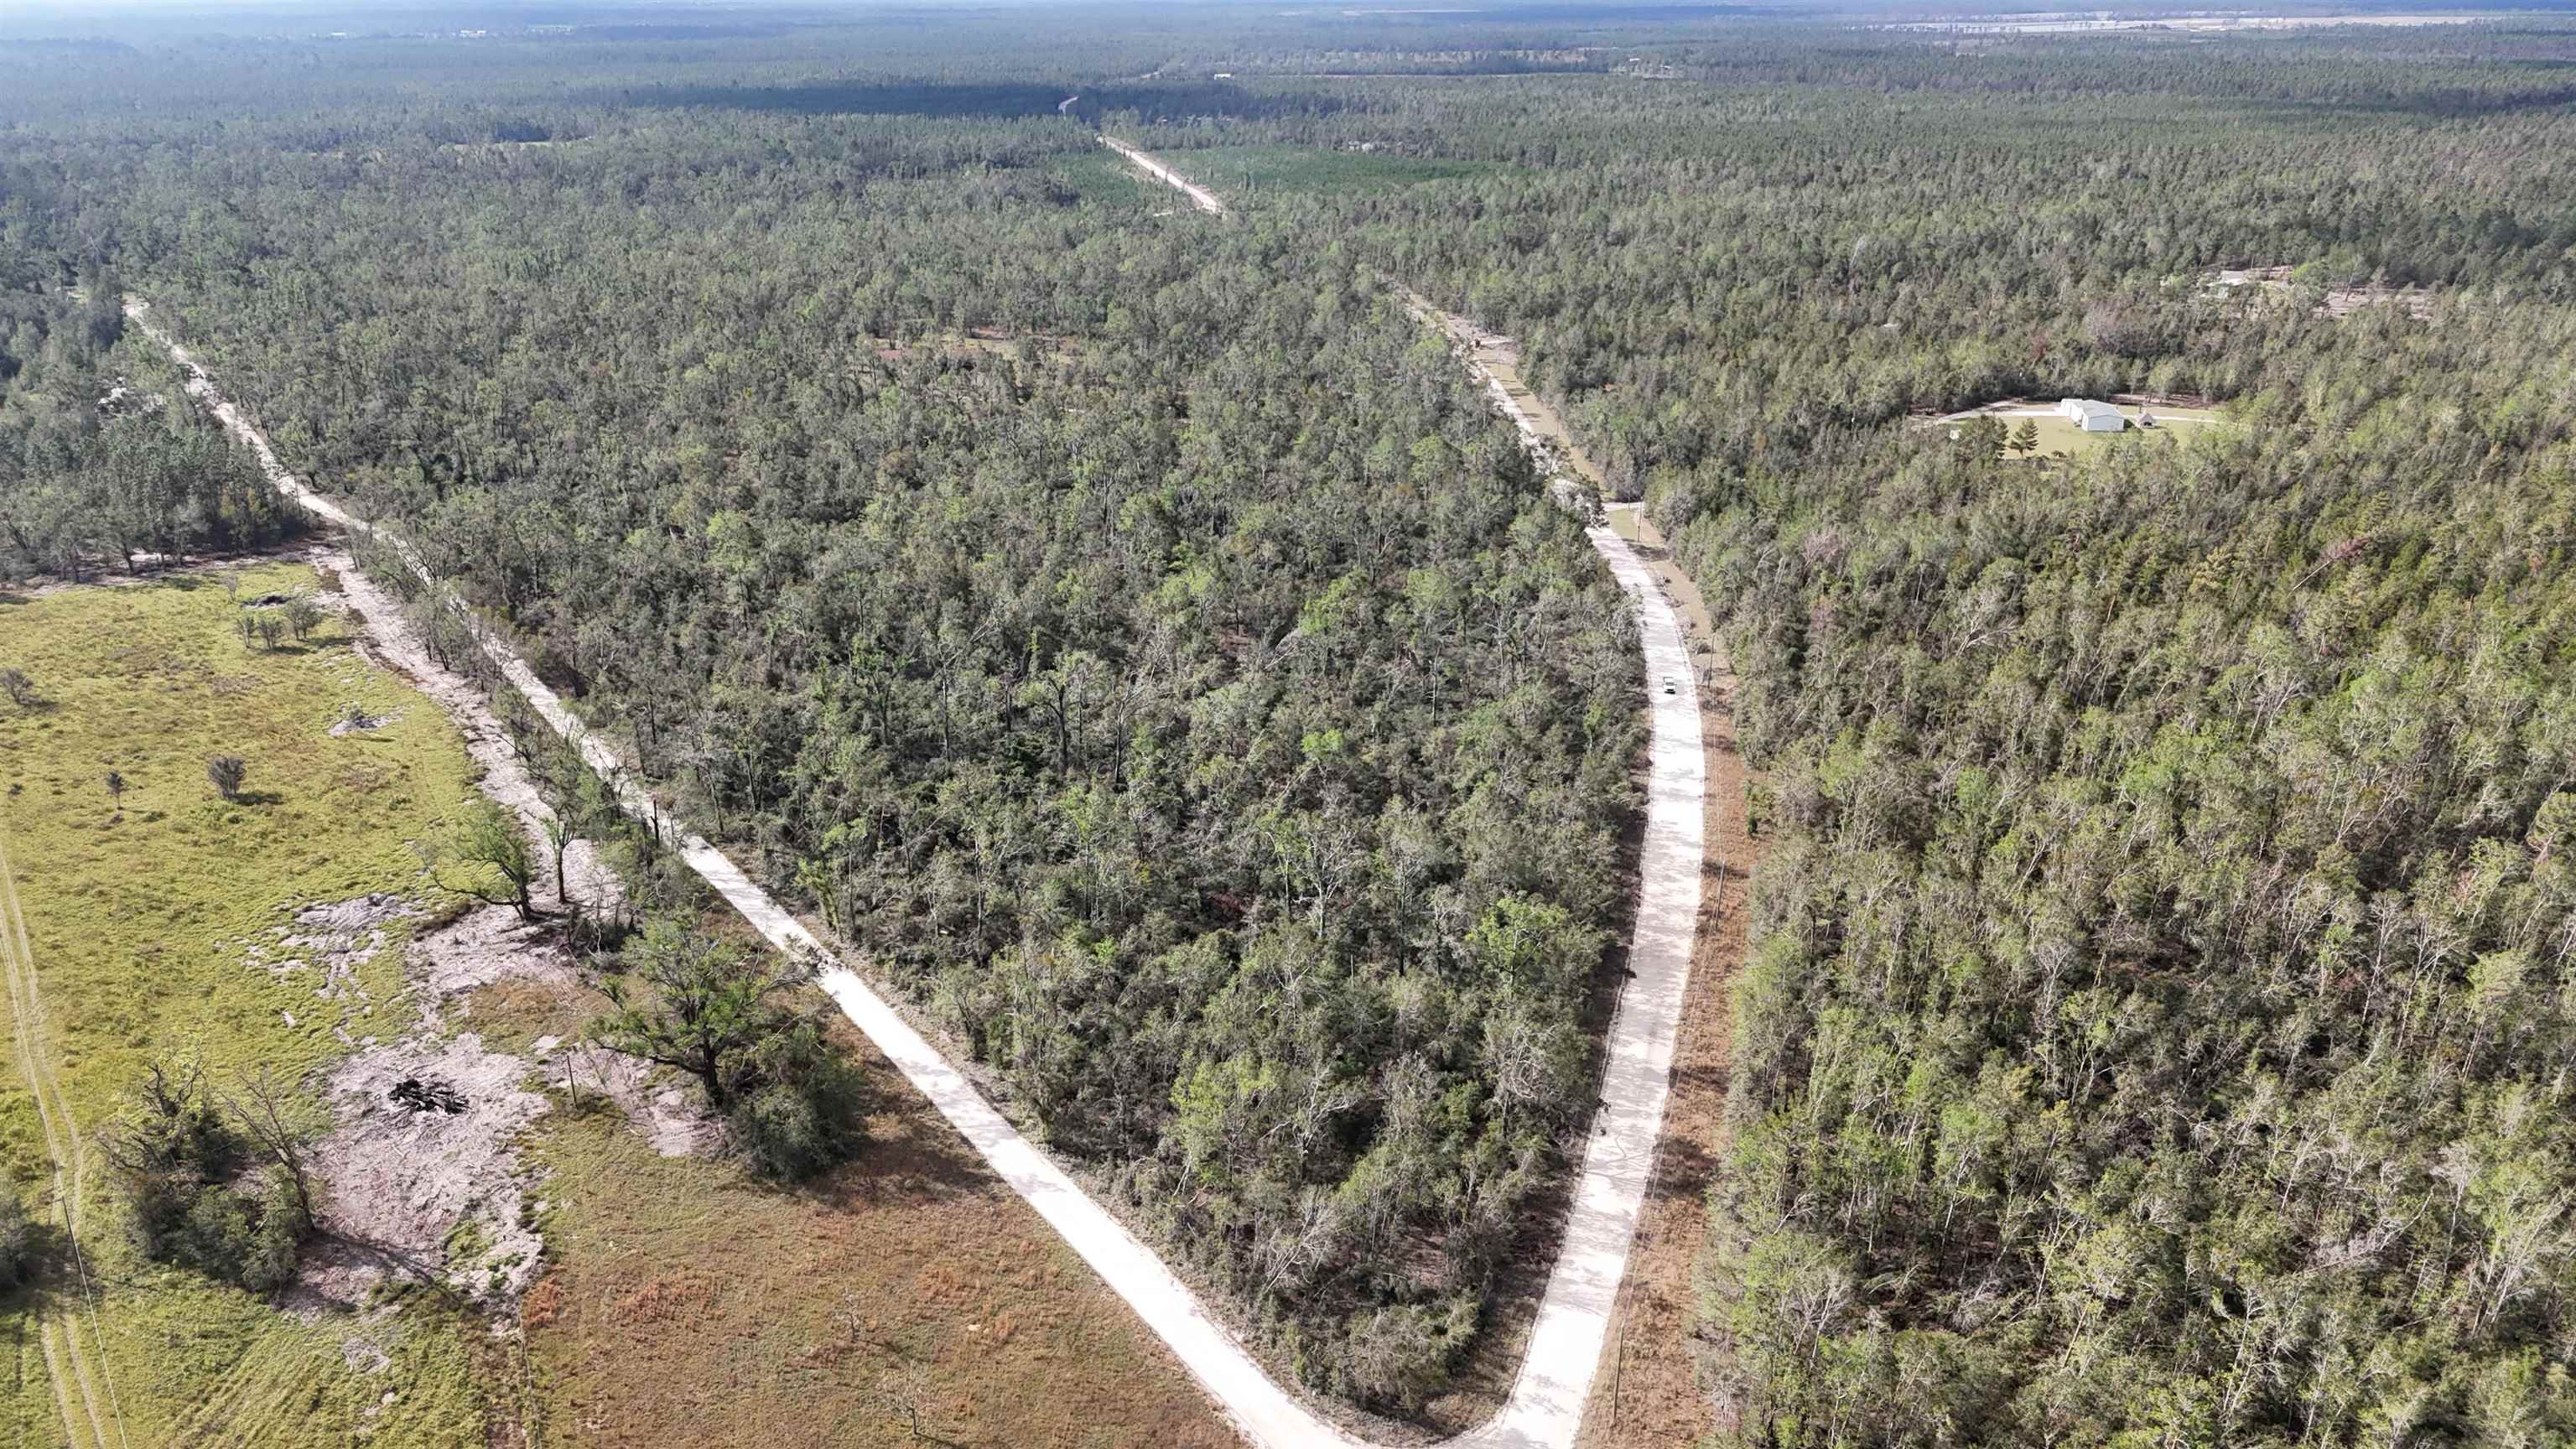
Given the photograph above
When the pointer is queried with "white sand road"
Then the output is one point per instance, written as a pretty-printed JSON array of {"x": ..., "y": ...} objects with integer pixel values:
[
  {"x": 1200, "y": 197},
  {"x": 1545, "y": 1407}
]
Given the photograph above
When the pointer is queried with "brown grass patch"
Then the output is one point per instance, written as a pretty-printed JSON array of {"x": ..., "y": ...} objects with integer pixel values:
[
  {"x": 664, "y": 1300},
  {"x": 693, "y": 1305},
  {"x": 543, "y": 1303}
]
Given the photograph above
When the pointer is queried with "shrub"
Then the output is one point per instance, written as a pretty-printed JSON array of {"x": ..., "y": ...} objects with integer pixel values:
[
  {"x": 177, "y": 1161},
  {"x": 713, "y": 1009},
  {"x": 227, "y": 772},
  {"x": 1399, "y": 1357},
  {"x": 494, "y": 864},
  {"x": 246, "y": 1235},
  {"x": 797, "y": 1104},
  {"x": 262, "y": 1258}
]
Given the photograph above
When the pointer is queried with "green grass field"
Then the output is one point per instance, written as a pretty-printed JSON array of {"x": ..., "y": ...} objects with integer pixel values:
[
  {"x": 1241, "y": 173},
  {"x": 2061, "y": 438},
  {"x": 135, "y": 913},
  {"x": 684, "y": 1302}
]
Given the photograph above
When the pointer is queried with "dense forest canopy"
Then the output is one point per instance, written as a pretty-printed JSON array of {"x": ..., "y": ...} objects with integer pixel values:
[
  {"x": 96, "y": 465},
  {"x": 1135, "y": 636},
  {"x": 2164, "y": 1002},
  {"x": 1132, "y": 632}
]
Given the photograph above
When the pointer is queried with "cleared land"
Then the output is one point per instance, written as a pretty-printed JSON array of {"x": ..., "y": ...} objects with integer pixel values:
[
  {"x": 695, "y": 1306},
  {"x": 137, "y": 916},
  {"x": 2061, "y": 438},
  {"x": 678, "y": 1301}
]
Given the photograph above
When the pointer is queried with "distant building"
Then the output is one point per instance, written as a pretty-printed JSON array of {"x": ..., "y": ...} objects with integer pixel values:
[{"x": 2091, "y": 416}]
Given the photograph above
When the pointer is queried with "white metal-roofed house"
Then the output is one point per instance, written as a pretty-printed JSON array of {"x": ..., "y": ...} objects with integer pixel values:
[{"x": 2091, "y": 416}]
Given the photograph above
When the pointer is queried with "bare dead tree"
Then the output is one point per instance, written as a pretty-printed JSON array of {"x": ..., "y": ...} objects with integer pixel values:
[
  {"x": 559, "y": 836},
  {"x": 903, "y": 1392},
  {"x": 269, "y": 1109}
]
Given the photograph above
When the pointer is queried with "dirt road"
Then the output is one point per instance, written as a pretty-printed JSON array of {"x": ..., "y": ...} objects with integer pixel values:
[
  {"x": 1495, "y": 361},
  {"x": 1585, "y": 1298},
  {"x": 82, "y": 1389},
  {"x": 1648, "y": 1394},
  {"x": 1546, "y": 1405},
  {"x": 1200, "y": 197}
]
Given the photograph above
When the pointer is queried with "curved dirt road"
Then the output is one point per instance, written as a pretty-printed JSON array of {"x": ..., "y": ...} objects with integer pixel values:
[{"x": 1545, "y": 1408}]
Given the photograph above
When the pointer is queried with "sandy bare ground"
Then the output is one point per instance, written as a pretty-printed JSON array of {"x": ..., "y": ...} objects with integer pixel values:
[
  {"x": 1546, "y": 1405},
  {"x": 439, "y": 1195},
  {"x": 433, "y": 1192},
  {"x": 1200, "y": 197},
  {"x": 482, "y": 946},
  {"x": 391, "y": 642}
]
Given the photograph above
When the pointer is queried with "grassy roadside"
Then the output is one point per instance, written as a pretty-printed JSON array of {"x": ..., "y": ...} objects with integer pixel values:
[
  {"x": 688, "y": 1302},
  {"x": 137, "y": 911},
  {"x": 692, "y": 1304}
]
